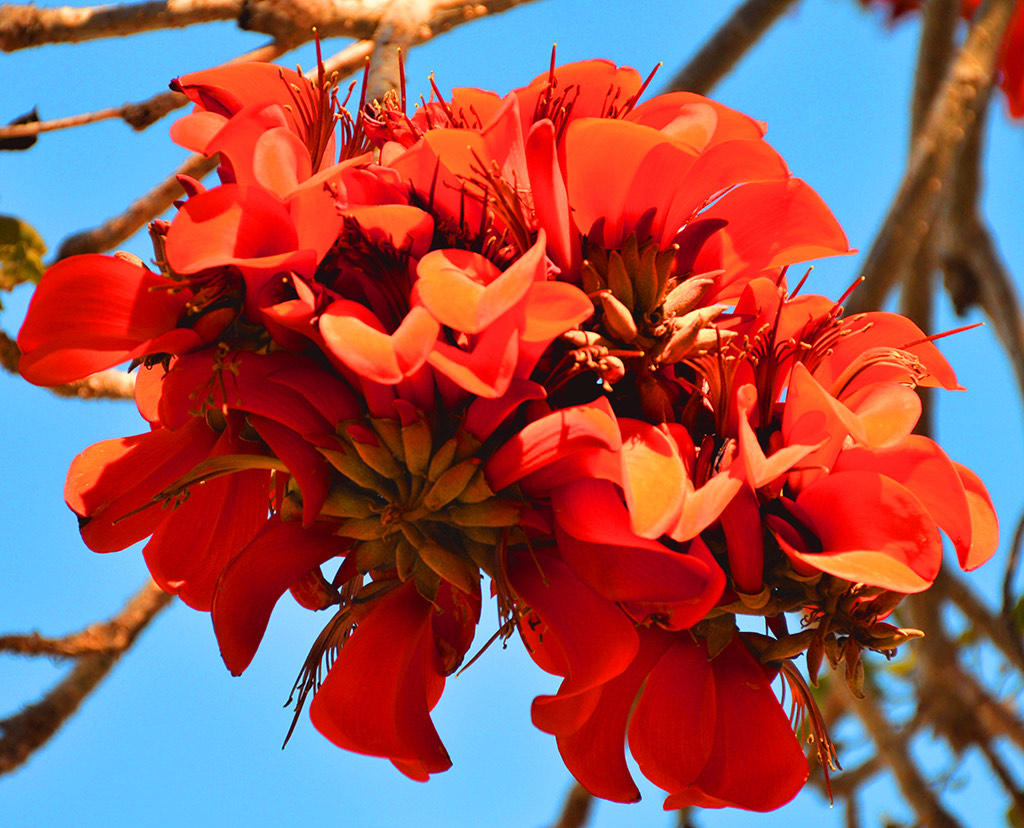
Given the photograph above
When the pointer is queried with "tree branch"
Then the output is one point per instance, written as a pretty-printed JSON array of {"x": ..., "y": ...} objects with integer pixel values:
[
  {"x": 292, "y": 21},
  {"x": 576, "y": 810},
  {"x": 951, "y": 119},
  {"x": 27, "y": 731},
  {"x": 894, "y": 748},
  {"x": 726, "y": 46}
]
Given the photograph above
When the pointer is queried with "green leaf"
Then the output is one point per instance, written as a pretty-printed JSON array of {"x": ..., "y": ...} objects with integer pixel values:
[
  {"x": 21, "y": 253},
  {"x": 1017, "y": 616}
]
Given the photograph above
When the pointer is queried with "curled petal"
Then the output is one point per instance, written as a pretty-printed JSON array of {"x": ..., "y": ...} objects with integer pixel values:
[
  {"x": 355, "y": 337},
  {"x": 873, "y": 530},
  {"x": 92, "y": 312},
  {"x": 380, "y": 689},
  {"x": 572, "y": 632},
  {"x": 250, "y": 586},
  {"x": 984, "y": 523},
  {"x": 466, "y": 292}
]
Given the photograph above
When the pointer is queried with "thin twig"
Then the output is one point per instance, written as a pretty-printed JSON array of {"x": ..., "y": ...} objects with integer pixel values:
[
  {"x": 25, "y": 732},
  {"x": 951, "y": 119},
  {"x": 141, "y": 114},
  {"x": 726, "y": 46}
]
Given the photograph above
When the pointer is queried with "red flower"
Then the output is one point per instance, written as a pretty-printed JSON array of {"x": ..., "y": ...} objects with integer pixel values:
[{"x": 544, "y": 338}]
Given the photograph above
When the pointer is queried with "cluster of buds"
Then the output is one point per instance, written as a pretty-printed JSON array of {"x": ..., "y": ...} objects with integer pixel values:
[{"x": 544, "y": 340}]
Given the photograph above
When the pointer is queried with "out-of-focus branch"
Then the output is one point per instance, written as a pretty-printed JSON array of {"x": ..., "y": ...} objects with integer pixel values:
[
  {"x": 1010, "y": 575},
  {"x": 138, "y": 115},
  {"x": 22, "y": 26},
  {"x": 933, "y": 58},
  {"x": 111, "y": 384},
  {"x": 951, "y": 119},
  {"x": 141, "y": 211},
  {"x": 727, "y": 45},
  {"x": 725, "y": 48},
  {"x": 894, "y": 747},
  {"x": 974, "y": 272},
  {"x": 27, "y": 731},
  {"x": 576, "y": 810},
  {"x": 982, "y": 619}
]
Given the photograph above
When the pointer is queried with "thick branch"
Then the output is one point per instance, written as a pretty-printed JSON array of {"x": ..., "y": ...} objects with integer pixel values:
[
  {"x": 293, "y": 21},
  {"x": 27, "y": 731},
  {"x": 723, "y": 51},
  {"x": 951, "y": 119},
  {"x": 22, "y": 26}
]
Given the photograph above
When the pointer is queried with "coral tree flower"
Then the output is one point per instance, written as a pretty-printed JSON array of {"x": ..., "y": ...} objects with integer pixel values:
[{"x": 544, "y": 339}]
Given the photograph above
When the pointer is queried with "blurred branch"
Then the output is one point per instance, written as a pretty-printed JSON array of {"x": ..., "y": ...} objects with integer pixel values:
[
  {"x": 137, "y": 115},
  {"x": 22, "y": 26},
  {"x": 428, "y": 18},
  {"x": 725, "y": 48},
  {"x": 577, "y": 807},
  {"x": 111, "y": 384},
  {"x": 894, "y": 748},
  {"x": 141, "y": 211},
  {"x": 980, "y": 617},
  {"x": 293, "y": 21},
  {"x": 952, "y": 117},
  {"x": 100, "y": 647}
]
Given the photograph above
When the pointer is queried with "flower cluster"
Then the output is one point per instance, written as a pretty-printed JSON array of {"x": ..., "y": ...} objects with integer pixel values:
[
  {"x": 1011, "y": 56},
  {"x": 544, "y": 338}
]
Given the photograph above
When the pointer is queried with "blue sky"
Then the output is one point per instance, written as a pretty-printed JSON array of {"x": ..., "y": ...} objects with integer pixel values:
[{"x": 171, "y": 736}]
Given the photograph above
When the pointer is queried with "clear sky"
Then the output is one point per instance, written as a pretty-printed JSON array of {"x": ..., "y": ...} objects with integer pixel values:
[{"x": 171, "y": 737}]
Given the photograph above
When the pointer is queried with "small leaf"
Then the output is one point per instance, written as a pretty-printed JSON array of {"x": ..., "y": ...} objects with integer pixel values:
[
  {"x": 22, "y": 142},
  {"x": 1017, "y": 616},
  {"x": 21, "y": 253}
]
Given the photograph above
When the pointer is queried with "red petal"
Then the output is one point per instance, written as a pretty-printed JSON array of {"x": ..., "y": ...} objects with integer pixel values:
[
  {"x": 595, "y": 753},
  {"x": 112, "y": 479},
  {"x": 673, "y": 726},
  {"x": 377, "y": 697},
  {"x": 198, "y": 538},
  {"x": 91, "y": 312},
  {"x": 466, "y": 292},
  {"x": 580, "y": 636},
  {"x": 653, "y": 477},
  {"x": 872, "y": 530},
  {"x": 231, "y": 224},
  {"x": 554, "y": 436},
  {"x": 756, "y": 761},
  {"x": 984, "y": 523},
  {"x": 919, "y": 464},
  {"x": 258, "y": 576}
]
